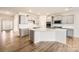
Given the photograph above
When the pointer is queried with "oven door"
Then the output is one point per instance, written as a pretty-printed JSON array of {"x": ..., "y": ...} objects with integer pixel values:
[{"x": 48, "y": 24}]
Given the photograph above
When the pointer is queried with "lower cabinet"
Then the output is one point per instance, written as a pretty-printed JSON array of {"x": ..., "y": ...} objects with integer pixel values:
[
  {"x": 23, "y": 32},
  {"x": 70, "y": 33},
  {"x": 31, "y": 35}
]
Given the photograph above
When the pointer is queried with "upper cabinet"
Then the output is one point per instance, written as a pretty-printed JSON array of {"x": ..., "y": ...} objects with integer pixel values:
[
  {"x": 68, "y": 19},
  {"x": 59, "y": 17},
  {"x": 49, "y": 19},
  {"x": 23, "y": 19},
  {"x": 63, "y": 19}
]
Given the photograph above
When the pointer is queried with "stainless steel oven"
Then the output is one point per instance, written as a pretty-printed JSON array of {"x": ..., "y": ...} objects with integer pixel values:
[{"x": 48, "y": 24}]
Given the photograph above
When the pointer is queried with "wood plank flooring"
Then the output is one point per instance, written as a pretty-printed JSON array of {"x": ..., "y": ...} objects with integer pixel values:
[{"x": 10, "y": 43}]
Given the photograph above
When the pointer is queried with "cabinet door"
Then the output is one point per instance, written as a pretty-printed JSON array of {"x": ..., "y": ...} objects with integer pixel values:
[
  {"x": 61, "y": 36},
  {"x": 58, "y": 18},
  {"x": 70, "y": 19},
  {"x": 49, "y": 19},
  {"x": 70, "y": 33},
  {"x": 64, "y": 20},
  {"x": 23, "y": 19}
]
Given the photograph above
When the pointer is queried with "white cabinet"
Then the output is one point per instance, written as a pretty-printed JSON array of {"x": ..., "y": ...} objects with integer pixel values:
[
  {"x": 65, "y": 19},
  {"x": 23, "y": 32},
  {"x": 23, "y": 19},
  {"x": 48, "y": 19},
  {"x": 59, "y": 17},
  {"x": 68, "y": 19},
  {"x": 70, "y": 33},
  {"x": 58, "y": 35}
]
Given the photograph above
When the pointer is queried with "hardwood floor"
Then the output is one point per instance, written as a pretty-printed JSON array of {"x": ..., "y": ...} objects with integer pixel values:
[{"x": 10, "y": 43}]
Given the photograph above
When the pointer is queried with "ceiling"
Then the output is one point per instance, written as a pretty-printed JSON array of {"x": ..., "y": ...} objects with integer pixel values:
[{"x": 37, "y": 10}]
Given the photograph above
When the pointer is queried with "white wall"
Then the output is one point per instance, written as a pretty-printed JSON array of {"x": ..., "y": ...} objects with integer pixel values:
[
  {"x": 16, "y": 22},
  {"x": 76, "y": 25}
]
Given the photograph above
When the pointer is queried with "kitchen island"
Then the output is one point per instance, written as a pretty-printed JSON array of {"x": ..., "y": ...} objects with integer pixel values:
[{"x": 44, "y": 34}]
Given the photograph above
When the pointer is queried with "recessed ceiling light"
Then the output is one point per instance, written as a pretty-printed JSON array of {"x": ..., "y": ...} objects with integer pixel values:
[{"x": 67, "y": 9}]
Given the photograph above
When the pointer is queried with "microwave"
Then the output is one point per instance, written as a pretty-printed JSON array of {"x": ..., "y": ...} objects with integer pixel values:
[{"x": 57, "y": 22}]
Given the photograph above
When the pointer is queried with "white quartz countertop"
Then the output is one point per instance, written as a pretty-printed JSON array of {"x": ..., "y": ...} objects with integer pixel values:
[{"x": 46, "y": 29}]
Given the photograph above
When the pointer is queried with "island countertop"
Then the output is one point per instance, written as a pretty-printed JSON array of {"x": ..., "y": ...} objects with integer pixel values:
[{"x": 48, "y": 29}]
